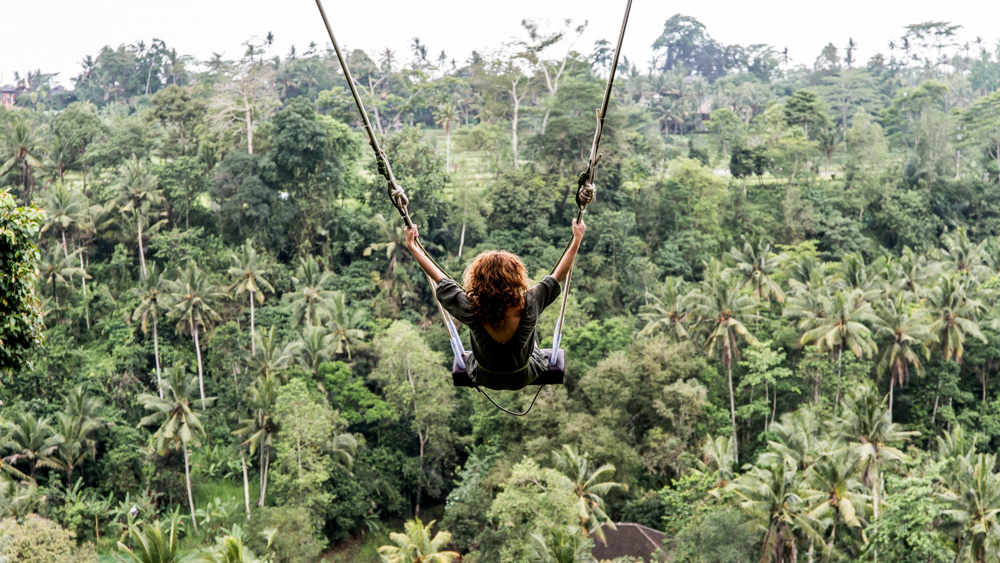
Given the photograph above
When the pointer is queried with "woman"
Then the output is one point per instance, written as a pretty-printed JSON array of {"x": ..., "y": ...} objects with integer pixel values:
[{"x": 500, "y": 311}]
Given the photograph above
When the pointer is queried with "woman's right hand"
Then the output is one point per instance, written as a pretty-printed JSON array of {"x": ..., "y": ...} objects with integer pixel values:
[{"x": 578, "y": 229}]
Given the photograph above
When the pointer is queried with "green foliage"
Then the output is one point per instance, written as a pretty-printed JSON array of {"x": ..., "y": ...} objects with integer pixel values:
[
  {"x": 38, "y": 540},
  {"x": 21, "y": 328}
]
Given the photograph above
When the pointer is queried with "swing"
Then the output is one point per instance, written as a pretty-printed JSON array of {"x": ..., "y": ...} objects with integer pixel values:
[{"x": 556, "y": 372}]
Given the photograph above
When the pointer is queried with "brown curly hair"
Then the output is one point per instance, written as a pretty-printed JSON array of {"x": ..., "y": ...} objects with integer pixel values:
[{"x": 494, "y": 282}]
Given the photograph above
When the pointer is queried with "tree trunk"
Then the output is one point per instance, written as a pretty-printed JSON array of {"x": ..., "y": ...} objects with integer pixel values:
[
  {"x": 447, "y": 150},
  {"x": 461, "y": 241},
  {"x": 197, "y": 349},
  {"x": 246, "y": 482},
  {"x": 732, "y": 407},
  {"x": 187, "y": 478},
  {"x": 260, "y": 500},
  {"x": 513, "y": 127},
  {"x": 83, "y": 284},
  {"x": 156, "y": 354},
  {"x": 65, "y": 248},
  {"x": 892, "y": 386},
  {"x": 875, "y": 493},
  {"x": 253, "y": 341},
  {"x": 142, "y": 253},
  {"x": 248, "y": 120},
  {"x": 840, "y": 361},
  {"x": 937, "y": 395},
  {"x": 267, "y": 473}
]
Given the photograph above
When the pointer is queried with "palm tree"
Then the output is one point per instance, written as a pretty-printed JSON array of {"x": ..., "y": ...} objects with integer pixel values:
[
  {"x": 833, "y": 474},
  {"x": 719, "y": 305},
  {"x": 444, "y": 116},
  {"x": 56, "y": 270},
  {"x": 153, "y": 542},
  {"x": 841, "y": 326},
  {"x": 137, "y": 193},
  {"x": 901, "y": 335},
  {"x": 955, "y": 316},
  {"x": 962, "y": 256},
  {"x": 250, "y": 278},
  {"x": 22, "y": 148},
  {"x": 341, "y": 449},
  {"x": 273, "y": 357},
  {"x": 590, "y": 485},
  {"x": 667, "y": 311},
  {"x": 866, "y": 425},
  {"x": 65, "y": 207},
  {"x": 561, "y": 544},
  {"x": 75, "y": 425},
  {"x": 417, "y": 546},
  {"x": 178, "y": 423},
  {"x": 191, "y": 302},
  {"x": 311, "y": 299},
  {"x": 718, "y": 455},
  {"x": 60, "y": 158},
  {"x": 344, "y": 324},
  {"x": 912, "y": 270},
  {"x": 777, "y": 498},
  {"x": 756, "y": 266},
  {"x": 973, "y": 506},
  {"x": 151, "y": 285},
  {"x": 29, "y": 438},
  {"x": 259, "y": 429},
  {"x": 312, "y": 348}
]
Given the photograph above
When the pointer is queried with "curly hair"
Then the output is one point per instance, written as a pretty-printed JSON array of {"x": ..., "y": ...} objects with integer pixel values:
[{"x": 494, "y": 282}]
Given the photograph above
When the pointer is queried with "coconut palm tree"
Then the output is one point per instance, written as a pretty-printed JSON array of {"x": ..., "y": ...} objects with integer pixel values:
[
  {"x": 590, "y": 485},
  {"x": 137, "y": 193},
  {"x": 960, "y": 255},
  {"x": 259, "y": 428},
  {"x": 755, "y": 266},
  {"x": 866, "y": 426},
  {"x": 955, "y": 316},
  {"x": 28, "y": 438},
  {"x": 249, "y": 278},
  {"x": 718, "y": 455},
  {"x": 667, "y": 311},
  {"x": 312, "y": 348},
  {"x": 842, "y": 325},
  {"x": 192, "y": 301},
  {"x": 311, "y": 299},
  {"x": 152, "y": 292},
  {"x": 445, "y": 116},
  {"x": 75, "y": 426},
  {"x": 417, "y": 546},
  {"x": 561, "y": 544},
  {"x": 344, "y": 324},
  {"x": 56, "y": 269},
  {"x": 178, "y": 423},
  {"x": 23, "y": 149},
  {"x": 721, "y": 308},
  {"x": 834, "y": 475},
  {"x": 65, "y": 208},
  {"x": 273, "y": 358},
  {"x": 777, "y": 498},
  {"x": 973, "y": 507},
  {"x": 902, "y": 333}
]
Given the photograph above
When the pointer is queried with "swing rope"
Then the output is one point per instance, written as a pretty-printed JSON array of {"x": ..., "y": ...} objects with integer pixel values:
[
  {"x": 396, "y": 194},
  {"x": 586, "y": 192},
  {"x": 584, "y": 196}
]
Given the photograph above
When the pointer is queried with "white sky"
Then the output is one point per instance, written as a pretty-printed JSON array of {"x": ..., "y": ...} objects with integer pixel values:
[{"x": 55, "y": 35}]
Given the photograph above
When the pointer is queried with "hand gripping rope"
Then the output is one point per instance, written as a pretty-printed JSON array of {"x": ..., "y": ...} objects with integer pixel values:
[
  {"x": 396, "y": 194},
  {"x": 586, "y": 192}
]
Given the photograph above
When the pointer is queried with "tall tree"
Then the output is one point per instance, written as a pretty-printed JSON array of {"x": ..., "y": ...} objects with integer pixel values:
[
  {"x": 192, "y": 301},
  {"x": 722, "y": 309},
  {"x": 137, "y": 193},
  {"x": 259, "y": 428},
  {"x": 902, "y": 332},
  {"x": 590, "y": 486},
  {"x": 22, "y": 148},
  {"x": 178, "y": 423},
  {"x": 152, "y": 293},
  {"x": 249, "y": 273}
]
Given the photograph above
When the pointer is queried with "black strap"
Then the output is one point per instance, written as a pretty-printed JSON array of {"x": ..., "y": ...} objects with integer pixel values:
[{"x": 480, "y": 389}]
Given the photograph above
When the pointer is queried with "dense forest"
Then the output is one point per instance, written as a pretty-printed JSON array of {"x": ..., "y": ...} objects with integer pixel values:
[{"x": 781, "y": 337}]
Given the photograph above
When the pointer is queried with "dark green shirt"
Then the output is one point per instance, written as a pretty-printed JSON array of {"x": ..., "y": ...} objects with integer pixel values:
[{"x": 507, "y": 365}]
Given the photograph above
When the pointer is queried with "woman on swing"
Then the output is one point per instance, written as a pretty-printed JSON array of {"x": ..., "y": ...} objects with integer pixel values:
[{"x": 500, "y": 310}]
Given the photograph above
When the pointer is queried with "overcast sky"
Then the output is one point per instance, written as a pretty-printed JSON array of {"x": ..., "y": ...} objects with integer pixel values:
[{"x": 55, "y": 35}]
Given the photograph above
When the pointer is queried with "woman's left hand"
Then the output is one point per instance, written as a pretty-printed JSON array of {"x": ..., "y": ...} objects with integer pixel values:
[{"x": 411, "y": 236}]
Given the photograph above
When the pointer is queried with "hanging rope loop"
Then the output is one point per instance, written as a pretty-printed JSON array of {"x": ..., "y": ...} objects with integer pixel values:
[{"x": 510, "y": 412}]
